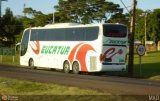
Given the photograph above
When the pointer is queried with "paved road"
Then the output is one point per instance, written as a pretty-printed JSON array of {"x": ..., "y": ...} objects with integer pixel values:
[{"x": 113, "y": 85}]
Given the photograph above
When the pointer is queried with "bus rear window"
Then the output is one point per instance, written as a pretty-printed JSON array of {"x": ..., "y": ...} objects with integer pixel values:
[{"x": 114, "y": 30}]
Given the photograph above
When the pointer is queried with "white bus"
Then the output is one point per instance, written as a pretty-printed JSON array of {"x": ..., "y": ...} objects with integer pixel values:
[{"x": 75, "y": 47}]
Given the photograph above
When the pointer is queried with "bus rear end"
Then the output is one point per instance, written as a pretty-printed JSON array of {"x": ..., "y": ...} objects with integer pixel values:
[{"x": 114, "y": 50}]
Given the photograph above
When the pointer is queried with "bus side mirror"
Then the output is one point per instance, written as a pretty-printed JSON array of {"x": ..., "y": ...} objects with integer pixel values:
[{"x": 19, "y": 43}]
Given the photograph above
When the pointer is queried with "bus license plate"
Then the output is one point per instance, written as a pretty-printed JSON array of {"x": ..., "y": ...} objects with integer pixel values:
[{"x": 108, "y": 60}]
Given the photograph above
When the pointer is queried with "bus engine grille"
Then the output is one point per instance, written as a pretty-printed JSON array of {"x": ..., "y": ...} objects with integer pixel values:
[{"x": 93, "y": 63}]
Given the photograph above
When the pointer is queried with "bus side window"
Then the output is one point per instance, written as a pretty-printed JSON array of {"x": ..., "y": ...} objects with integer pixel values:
[
  {"x": 69, "y": 35},
  {"x": 80, "y": 34},
  {"x": 92, "y": 33},
  {"x": 34, "y": 35}
]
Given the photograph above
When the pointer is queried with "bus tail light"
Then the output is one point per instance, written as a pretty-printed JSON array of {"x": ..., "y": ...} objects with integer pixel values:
[{"x": 101, "y": 57}]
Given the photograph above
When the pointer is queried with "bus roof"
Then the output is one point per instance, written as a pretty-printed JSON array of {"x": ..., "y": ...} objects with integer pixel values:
[
  {"x": 69, "y": 25},
  {"x": 77, "y": 24},
  {"x": 62, "y": 24}
]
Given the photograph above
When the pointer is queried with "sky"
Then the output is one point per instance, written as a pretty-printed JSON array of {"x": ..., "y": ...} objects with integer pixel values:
[{"x": 47, "y": 6}]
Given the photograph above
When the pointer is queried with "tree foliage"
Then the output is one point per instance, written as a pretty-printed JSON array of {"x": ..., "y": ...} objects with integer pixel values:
[
  {"x": 35, "y": 18},
  {"x": 119, "y": 18},
  {"x": 32, "y": 12},
  {"x": 140, "y": 25},
  {"x": 152, "y": 25},
  {"x": 10, "y": 28},
  {"x": 81, "y": 11},
  {"x": 86, "y": 11}
]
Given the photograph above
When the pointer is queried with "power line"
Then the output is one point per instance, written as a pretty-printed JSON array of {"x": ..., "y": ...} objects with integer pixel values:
[{"x": 125, "y": 6}]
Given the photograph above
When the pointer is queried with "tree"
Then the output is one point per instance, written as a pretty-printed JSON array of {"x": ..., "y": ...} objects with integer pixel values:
[
  {"x": 152, "y": 25},
  {"x": 32, "y": 12},
  {"x": 11, "y": 27},
  {"x": 154, "y": 28},
  {"x": 119, "y": 18},
  {"x": 35, "y": 18},
  {"x": 87, "y": 11},
  {"x": 1, "y": 32},
  {"x": 140, "y": 25}
]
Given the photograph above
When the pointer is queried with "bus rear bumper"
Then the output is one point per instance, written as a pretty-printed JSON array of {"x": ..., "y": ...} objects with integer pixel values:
[{"x": 113, "y": 67}]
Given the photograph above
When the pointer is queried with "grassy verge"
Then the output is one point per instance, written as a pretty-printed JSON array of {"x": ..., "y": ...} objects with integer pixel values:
[
  {"x": 4, "y": 59},
  {"x": 15, "y": 90},
  {"x": 21, "y": 87},
  {"x": 149, "y": 69},
  {"x": 33, "y": 91}
]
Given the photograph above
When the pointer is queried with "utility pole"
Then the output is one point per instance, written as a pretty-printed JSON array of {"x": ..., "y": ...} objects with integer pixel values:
[
  {"x": 145, "y": 33},
  {"x": 1, "y": 6},
  {"x": 131, "y": 46}
]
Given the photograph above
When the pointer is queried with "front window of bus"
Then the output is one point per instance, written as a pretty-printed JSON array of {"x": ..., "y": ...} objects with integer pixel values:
[
  {"x": 115, "y": 31},
  {"x": 24, "y": 43}
]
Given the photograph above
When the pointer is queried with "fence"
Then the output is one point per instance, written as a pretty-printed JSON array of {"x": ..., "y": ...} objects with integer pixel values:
[
  {"x": 4, "y": 51},
  {"x": 150, "y": 47}
]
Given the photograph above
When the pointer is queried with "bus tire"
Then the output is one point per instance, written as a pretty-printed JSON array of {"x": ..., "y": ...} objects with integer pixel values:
[
  {"x": 31, "y": 64},
  {"x": 66, "y": 67},
  {"x": 75, "y": 67}
]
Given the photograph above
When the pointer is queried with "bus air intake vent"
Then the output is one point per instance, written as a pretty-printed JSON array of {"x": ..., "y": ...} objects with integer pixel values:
[{"x": 93, "y": 63}]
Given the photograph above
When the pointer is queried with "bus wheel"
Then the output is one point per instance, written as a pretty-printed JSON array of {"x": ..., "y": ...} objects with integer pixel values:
[
  {"x": 66, "y": 67},
  {"x": 75, "y": 67},
  {"x": 31, "y": 64}
]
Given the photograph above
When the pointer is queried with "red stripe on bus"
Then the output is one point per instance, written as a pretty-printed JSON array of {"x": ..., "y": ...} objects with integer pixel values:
[
  {"x": 81, "y": 55},
  {"x": 72, "y": 54},
  {"x": 37, "y": 50}
]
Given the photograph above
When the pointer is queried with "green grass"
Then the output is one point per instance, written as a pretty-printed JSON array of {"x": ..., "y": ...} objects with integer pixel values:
[
  {"x": 151, "y": 57},
  {"x": 33, "y": 91},
  {"x": 149, "y": 69},
  {"x": 4, "y": 59},
  {"x": 16, "y": 87}
]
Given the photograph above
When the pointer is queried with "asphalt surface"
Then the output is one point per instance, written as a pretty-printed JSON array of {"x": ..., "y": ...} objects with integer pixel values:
[{"x": 108, "y": 84}]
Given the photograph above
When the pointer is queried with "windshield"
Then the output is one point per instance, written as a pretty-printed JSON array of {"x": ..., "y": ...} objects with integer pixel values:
[
  {"x": 114, "y": 30},
  {"x": 24, "y": 43}
]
